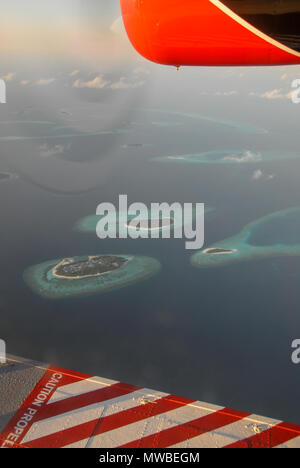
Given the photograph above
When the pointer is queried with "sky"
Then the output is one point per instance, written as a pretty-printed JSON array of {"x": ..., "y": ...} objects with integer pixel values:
[
  {"x": 91, "y": 34},
  {"x": 59, "y": 28},
  {"x": 72, "y": 54}
]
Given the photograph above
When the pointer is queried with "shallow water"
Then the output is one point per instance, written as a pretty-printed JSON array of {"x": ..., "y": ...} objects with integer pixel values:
[{"x": 284, "y": 229}]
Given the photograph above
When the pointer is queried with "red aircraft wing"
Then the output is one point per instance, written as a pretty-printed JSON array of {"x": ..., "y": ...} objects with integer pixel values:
[{"x": 213, "y": 32}]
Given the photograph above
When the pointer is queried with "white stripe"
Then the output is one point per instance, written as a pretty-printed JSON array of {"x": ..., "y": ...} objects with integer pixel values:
[
  {"x": 149, "y": 426},
  {"x": 80, "y": 387},
  {"x": 231, "y": 433},
  {"x": 225, "y": 435},
  {"x": 293, "y": 443},
  {"x": 254, "y": 30},
  {"x": 88, "y": 413}
]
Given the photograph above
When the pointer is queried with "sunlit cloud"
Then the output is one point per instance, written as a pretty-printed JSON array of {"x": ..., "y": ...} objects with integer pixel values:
[
  {"x": 124, "y": 83},
  {"x": 225, "y": 93},
  {"x": 258, "y": 174},
  {"x": 141, "y": 70},
  {"x": 45, "y": 81},
  {"x": 99, "y": 82},
  {"x": 273, "y": 94},
  {"x": 8, "y": 77},
  {"x": 247, "y": 156}
]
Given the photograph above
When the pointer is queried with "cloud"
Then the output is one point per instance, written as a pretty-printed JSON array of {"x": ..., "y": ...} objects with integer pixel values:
[
  {"x": 225, "y": 93},
  {"x": 141, "y": 71},
  {"x": 219, "y": 93},
  {"x": 45, "y": 81},
  {"x": 247, "y": 156},
  {"x": 124, "y": 83},
  {"x": 99, "y": 82},
  {"x": 9, "y": 76},
  {"x": 74, "y": 73},
  {"x": 24, "y": 82},
  {"x": 46, "y": 150},
  {"x": 258, "y": 174},
  {"x": 273, "y": 94}
]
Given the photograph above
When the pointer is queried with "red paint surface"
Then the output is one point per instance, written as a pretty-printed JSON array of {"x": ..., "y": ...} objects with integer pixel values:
[
  {"x": 109, "y": 423},
  {"x": 183, "y": 432},
  {"x": 67, "y": 377},
  {"x": 164, "y": 436},
  {"x": 195, "y": 32},
  {"x": 271, "y": 438}
]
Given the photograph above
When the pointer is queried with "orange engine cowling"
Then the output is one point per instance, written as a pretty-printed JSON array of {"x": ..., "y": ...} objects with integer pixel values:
[{"x": 214, "y": 32}]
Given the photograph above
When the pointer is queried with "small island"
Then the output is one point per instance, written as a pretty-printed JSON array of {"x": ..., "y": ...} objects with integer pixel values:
[
  {"x": 216, "y": 251},
  {"x": 151, "y": 224},
  {"x": 157, "y": 224},
  {"x": 93, "y": 266},
  {"x": 274, "y": 235},
  {"x": 88, "y": 275},
  {"x": 89, "y": 223}
]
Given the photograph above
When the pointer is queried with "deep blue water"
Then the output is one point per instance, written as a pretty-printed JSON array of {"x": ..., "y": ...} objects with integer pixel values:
[{"x": 220, "y": 335}]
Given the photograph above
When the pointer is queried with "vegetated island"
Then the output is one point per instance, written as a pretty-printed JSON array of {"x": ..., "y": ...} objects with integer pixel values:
[
  {"x": 93, "y": 266},
  {"x": 88, "y": 275},
  {"x": 274, "y": 235},
  {"x": 217, "y": 251}
]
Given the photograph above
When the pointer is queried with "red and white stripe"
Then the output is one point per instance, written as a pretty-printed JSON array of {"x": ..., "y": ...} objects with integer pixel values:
[{"x": 91, "y": 412}]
